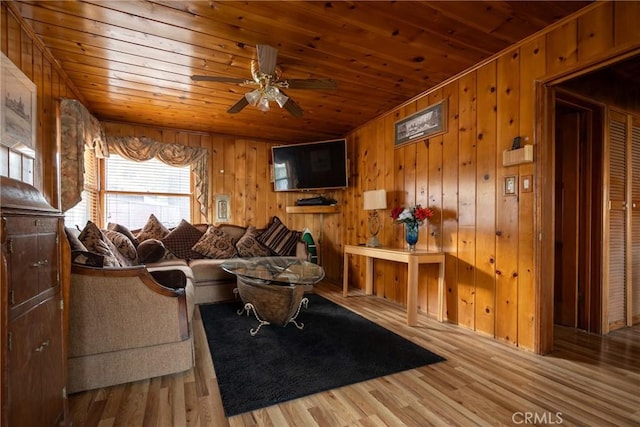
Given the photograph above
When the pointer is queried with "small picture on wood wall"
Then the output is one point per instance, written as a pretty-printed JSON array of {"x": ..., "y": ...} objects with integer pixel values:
[
  {"x": 423, "y": 124},
  {"x": 18, "y": 112}
]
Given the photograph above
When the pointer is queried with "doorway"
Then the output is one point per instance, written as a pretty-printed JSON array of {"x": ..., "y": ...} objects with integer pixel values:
[{"x": 578, "y": 212}]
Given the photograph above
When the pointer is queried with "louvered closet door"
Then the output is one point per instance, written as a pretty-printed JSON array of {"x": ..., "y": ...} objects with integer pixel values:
[
  {"x": 616, "y": 306},
  {"x": 634, "y": 298},
  {"x": 623, "y": 296}
]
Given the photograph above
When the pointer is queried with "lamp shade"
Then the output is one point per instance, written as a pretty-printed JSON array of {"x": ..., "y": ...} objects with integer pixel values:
[{"x": 375, "y": 199}]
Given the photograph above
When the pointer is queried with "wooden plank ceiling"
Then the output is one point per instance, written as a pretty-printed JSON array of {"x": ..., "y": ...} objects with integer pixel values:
[{"x": 132, "y": 61}]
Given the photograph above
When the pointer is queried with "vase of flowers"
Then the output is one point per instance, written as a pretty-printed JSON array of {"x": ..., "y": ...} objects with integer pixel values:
[{"x": 412, "y": 218}]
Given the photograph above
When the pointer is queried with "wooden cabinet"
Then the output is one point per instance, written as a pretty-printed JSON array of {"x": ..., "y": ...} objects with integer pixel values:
[{"x": 33, "y": 352}]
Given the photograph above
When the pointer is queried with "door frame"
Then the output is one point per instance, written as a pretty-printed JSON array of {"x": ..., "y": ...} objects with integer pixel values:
[{"x": 544, "y": 214}]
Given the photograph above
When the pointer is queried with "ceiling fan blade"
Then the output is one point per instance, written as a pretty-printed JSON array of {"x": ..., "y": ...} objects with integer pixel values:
[
  {"x": 219, "y": 79},
  {"x": 293, "y": 108},
  {"x": 267, "y": 56},
  {"x": 311, "y": 83},
  {"x": 238, "y": 106}
]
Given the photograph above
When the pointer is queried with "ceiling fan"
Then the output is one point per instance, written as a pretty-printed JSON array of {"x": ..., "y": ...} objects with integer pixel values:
[{"x": 266, "y": 76}]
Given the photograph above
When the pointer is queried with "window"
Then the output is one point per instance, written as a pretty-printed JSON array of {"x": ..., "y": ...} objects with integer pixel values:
[
  {"x": 87, "y": 209},
  {"x": 135, "y": 190}
]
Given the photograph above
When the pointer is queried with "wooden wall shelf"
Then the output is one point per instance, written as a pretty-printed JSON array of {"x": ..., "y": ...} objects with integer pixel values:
[
  {"x": 321, "y": 209},
  {"x": 519, "y": 156}
]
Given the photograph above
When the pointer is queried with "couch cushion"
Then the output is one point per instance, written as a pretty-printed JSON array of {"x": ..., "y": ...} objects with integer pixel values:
[
  {"x": 249, "y": 246},
  {"x": 153, "y": 229},
  {"x": 279, "y": 239},
  {"x": 151, "y": 250},
  {"x": 215, "y": 243},
  {"x": 181, "y": 239},
  {"x": 95, "y": 241},
  {"x": 208, "y": 270},
  {"x": 125, "y": 250}
]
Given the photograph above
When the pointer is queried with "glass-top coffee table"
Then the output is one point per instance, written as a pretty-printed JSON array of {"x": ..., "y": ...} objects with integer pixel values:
[{"x": 273, "y": 287}]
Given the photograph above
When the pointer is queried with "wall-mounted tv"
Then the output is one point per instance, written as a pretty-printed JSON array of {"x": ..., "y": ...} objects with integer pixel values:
[{"x": 311, "y": 166}]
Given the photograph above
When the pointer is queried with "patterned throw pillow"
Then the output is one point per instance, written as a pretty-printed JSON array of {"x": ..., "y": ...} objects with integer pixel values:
[
  {"x": 248, "y": 245},
  {"x": 279, "y": 239},
  {"x": 125, "y": 251},
  {"x": 95, "y": 241},
  {"x": 215, "y": 243},
  {"x": 153, "y": 229},
  {"x": 124, "y": 230},
  {"x": 181, "y": 239}
]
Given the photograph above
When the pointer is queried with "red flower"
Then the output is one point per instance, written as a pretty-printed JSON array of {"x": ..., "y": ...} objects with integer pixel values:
[{"x": 417, "y": 214}]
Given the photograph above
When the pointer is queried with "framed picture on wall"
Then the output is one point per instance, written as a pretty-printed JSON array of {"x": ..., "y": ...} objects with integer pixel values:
[
  {"x": 18, "y": 112},
  {"x": 423, "y": 124}
]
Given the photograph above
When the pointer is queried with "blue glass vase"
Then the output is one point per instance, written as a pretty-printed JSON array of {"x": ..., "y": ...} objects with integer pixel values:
[{"x": 411, "y": 235}]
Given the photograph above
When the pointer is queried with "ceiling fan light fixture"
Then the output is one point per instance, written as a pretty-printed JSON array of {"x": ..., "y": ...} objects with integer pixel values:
[
  {"x": 263, "y": 104},
  {"x": 253, "y": 97},
  {"x": 281, "y": 99}
]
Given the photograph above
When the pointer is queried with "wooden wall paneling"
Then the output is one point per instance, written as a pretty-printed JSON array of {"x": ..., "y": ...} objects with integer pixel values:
[
  {"x": 263, "y": 185},
  {"x": 449, "y": 204},
  {"x": 422, "y": 198},
  {"x": 486, "y": 187},
  {"x": 14, "y": 33},
  {"x": 238, "y": 208},
  {"x": 508, "y": 68},
  {"x": 467, "y": 200},
  {"x": 595, "y": 33},
  {"x": 229, "y": 176},
  {"x": 533, "y": 55},
  {"x": 38, "y": 77},
  {"x": 562, "y": 47},
  {"x": 4, "y": 30},
  {"x": 385, "y": 128},
  {"x": 251, "y": 179},
  {"x": 625, "y": 22}
]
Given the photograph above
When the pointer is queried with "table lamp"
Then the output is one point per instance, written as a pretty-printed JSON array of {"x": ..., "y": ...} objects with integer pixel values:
[{"x": 374, "y": 200}]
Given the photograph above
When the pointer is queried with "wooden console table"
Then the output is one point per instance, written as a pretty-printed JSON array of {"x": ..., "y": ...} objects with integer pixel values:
[{"x": 413, "y": 260}]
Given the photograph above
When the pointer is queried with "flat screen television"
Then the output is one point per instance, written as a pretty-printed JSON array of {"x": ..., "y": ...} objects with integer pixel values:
[{"x": 311, "y": 166}]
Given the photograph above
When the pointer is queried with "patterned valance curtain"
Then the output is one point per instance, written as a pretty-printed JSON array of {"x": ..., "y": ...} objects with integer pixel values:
[
  {"x": 79, "y": 129},
  {"x": 143, "y": 148}
]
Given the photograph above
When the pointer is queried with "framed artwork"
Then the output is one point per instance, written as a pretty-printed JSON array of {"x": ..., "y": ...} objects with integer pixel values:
[
  {"x": 424, "y": 124},
  {"x": 223, "y": 210},
  {"x": 18, "y": 112}
]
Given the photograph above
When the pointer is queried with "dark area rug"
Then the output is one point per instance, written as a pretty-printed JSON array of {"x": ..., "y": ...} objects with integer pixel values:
[{"x": 336, "y": 348}]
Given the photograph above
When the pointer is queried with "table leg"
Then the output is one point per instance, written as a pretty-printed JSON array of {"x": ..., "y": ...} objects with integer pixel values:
[
  {"x": 369, "y": 277},
  {"x": 441, "y": 292},
  {"x": 345, "y": 276},
  {"x": 412, "y": 293}
]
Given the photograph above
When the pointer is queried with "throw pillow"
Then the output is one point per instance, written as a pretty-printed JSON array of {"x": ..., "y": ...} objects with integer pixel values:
[
  {"x": 249, "y": 246},
  {"x": 95, "y": 241},
  {"x": 153, "y": 229},
  {"x": 279, "y": 239},
  {"x": 87, "y": 258},
  {"x": 215, "y": 243},
  {"x": 72, "y": 236},
  {"x": 124, "y": 230},
  {"x": 181, "y": 239},
  {"x": 125, "y": 251},
  {"x": 151, "y": 250}
]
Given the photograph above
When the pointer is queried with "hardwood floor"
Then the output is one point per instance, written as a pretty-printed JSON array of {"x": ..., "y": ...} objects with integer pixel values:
[{"x": 588, "y": 381}]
